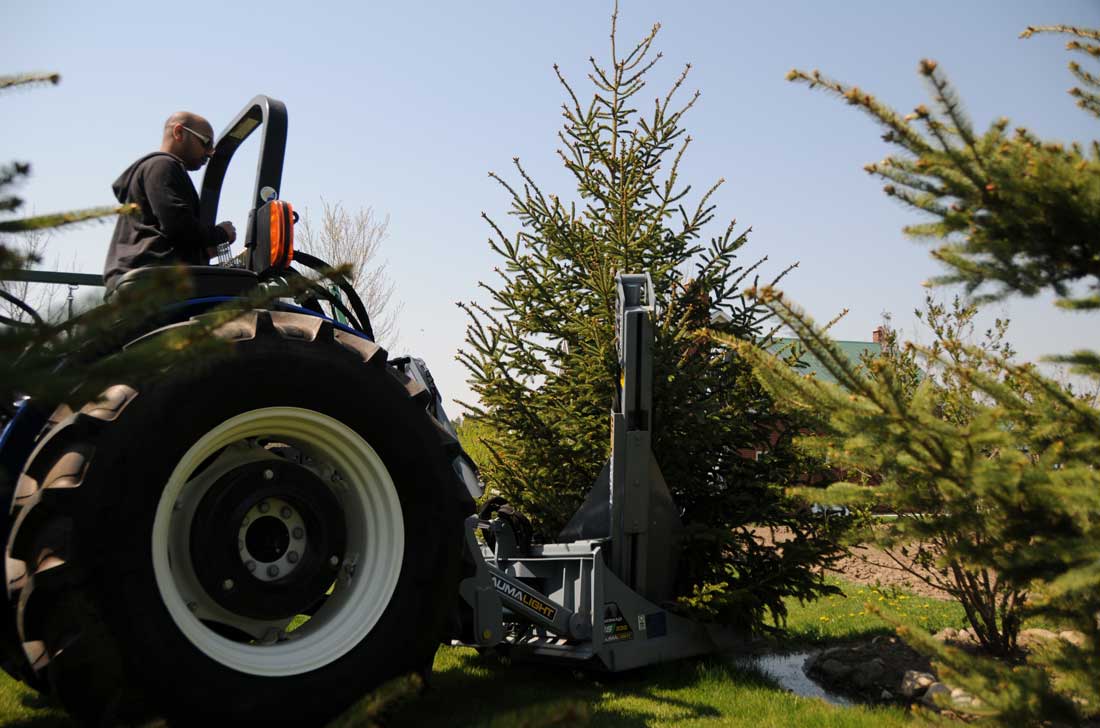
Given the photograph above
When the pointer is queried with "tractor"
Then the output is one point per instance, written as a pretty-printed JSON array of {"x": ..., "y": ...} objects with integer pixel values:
[{"x": 270, "y": 535}]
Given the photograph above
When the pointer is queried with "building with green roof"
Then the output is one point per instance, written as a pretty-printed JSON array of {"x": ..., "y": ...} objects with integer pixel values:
[{"x": 853, "y": 350}]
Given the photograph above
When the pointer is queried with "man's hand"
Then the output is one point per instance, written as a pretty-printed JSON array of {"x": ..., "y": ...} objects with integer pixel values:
[{"x": 230, "y": 231}]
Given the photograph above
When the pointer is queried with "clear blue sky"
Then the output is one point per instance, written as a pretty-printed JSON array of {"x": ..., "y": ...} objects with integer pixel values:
[{"x": 406, "y": 106}]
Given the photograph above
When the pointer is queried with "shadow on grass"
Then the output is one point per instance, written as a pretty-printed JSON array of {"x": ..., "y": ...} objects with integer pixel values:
[
  {"x": 468, "y": 689},
  {"x": 795, "y": 639}
]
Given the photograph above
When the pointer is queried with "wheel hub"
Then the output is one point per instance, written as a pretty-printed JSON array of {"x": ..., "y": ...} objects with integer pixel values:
[
  {"x": 272, "y": 539},
  {"x": 264, "y": 538}
]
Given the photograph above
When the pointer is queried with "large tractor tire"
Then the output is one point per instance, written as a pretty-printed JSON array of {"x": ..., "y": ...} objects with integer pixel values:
[
  {"x": 12, "y": 660},
  {"x": 262, "y": 539}
]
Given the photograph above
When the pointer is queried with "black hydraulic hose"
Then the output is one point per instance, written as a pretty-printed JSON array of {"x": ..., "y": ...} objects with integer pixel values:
[
  {"x": 23, "y": 305},
  {"x": 353, "y": 298},
  {"x": 318, "y": 292},
  {"x": 310, "y": 298}
]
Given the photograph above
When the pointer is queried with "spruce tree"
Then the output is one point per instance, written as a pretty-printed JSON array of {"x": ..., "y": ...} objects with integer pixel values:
[
  {"x": 1002, "y": 462},
  {"x": 542, "y": 354}
]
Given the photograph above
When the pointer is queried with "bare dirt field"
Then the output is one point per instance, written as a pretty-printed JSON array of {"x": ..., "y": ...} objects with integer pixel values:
[
  {"x": 866, "y": 565},
  {"x": 873, "y": 566}
]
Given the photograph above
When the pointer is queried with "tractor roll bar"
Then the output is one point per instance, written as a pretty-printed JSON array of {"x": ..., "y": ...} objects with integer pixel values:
[{"x": 260, "y": 111}]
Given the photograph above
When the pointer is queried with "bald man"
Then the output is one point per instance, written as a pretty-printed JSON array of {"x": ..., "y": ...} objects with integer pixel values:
[{"x": 167, "y": 231}]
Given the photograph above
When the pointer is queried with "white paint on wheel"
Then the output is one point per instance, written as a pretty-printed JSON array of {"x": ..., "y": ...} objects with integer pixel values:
[{"x": 375, "y": 539}]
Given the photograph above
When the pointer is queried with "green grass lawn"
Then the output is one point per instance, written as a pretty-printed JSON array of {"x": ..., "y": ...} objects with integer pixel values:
[
  {"x": 852, "y": 614},
  {"x": 471, "y": 690}
]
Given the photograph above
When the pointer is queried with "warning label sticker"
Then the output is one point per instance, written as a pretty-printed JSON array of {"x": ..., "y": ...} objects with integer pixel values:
[{"x": 615, "y": 626}]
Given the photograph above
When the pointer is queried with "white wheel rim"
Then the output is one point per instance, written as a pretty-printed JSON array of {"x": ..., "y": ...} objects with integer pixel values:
[{"x": 375, "y": 538}]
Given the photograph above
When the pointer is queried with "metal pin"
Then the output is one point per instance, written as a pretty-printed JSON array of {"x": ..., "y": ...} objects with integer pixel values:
[
  {"x": 269, "y": 474},
  {"x": 292, "y": 557},
  {"x": 227, "y": 584},
  {"x": 273, "y": 570},
  {"x": 285, "y": 512}
]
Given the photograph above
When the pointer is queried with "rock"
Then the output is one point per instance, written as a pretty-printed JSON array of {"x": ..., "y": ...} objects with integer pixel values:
[
  {"x": 962, "y": 699},
  {"x": 1030, "y": 638},
  {"x": 1077, "y": 639},
  {"x": 936, "y": 688},
  {"x": 914, "y": 683},
  {"x": 1038, "y": 634},
  {"x": 834, "y": 652},
  {"x": 867, "y": 673},
  {"x": 886, "y": 695},
  {"x": 947, "y": 634},
  {"x": 834, "y": 669}
]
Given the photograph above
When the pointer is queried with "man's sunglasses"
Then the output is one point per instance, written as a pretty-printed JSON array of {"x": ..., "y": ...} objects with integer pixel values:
[{"x": 206, "y": 141}]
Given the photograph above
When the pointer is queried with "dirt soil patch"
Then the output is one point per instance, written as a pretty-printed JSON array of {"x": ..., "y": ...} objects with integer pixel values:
[
  {"x": 873, "y": 566},
  {"x": 865, "y": 565}
]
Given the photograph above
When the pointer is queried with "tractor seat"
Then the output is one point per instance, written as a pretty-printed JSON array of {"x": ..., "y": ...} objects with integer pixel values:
[{"x": 206, "y": 281}]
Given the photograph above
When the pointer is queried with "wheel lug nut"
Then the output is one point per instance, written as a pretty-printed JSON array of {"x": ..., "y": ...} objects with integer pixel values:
[
  {"x": 298, "y": 533},
  {"x": 264, "y": 507},
  {"x": 250, "y": 565},
  {"x": 269, "y": 474},
  {"x": 227, "y": 584},
  {"x": 273, "y": 570},
  {"x": 292, "y": 557},
  {"x": 285, "y": 512}
]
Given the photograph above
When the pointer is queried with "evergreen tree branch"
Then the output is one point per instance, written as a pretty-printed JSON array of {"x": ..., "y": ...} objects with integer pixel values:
[
  {"x": 59, "y": 219},
  {"x": 28, "y": 79}
]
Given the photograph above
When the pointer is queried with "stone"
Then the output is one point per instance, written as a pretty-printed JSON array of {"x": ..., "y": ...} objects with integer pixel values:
[
  {"x": 1030, "y": 638},
  {"x": 914, "y": 683},
  {"x": 834, "y": 669},
  {"x": 867, "y": 673},
  {"x": 962, "y": 699},
  {"x": 1077, "y": 639},
  {"x": 947, "y": 634},
  {"x": 1039, "y": 634},
  {"x": 886, "y": 695},
  {"x": 935, "y": 689}
]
